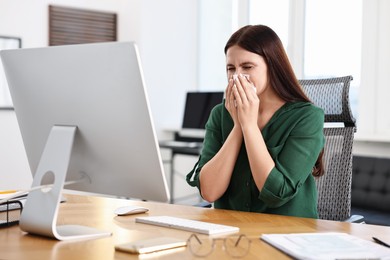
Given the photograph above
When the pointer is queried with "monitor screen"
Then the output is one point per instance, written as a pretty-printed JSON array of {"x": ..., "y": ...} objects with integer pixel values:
[
  {"x": 99, "y": 88},
  {"x": 198, "y": 107}
]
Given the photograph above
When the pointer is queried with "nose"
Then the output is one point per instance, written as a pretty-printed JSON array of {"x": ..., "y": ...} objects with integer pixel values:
[
  {"x": 239, "y": 71},
  {"x": 236, "y": 72}
]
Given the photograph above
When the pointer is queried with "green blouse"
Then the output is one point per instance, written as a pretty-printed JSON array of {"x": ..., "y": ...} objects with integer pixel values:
[{"x": 294, "y": 137}]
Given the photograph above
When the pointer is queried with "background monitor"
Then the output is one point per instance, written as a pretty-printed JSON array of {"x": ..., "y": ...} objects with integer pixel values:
[
  {"x": 100, "y": 89},
  {"x": 198, "y": 107}
]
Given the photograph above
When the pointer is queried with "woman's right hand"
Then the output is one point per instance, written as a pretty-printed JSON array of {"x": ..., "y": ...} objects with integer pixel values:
[{"x": 230, "y": 102}]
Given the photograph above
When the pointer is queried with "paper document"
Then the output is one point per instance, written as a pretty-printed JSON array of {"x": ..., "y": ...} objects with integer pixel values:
[
  {"x": 326, "y": 246},
  {"x": 16, "y": 195}
]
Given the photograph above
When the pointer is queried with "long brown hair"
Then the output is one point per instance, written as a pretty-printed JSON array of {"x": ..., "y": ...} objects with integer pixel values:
[{"x": 262, "y": 40}]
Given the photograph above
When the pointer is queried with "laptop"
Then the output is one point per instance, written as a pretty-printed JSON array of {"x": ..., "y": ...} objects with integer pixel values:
[{"x": 197, "y": 109}]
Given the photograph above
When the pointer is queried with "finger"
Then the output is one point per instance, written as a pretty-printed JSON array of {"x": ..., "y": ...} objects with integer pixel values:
[
  {"x": 232, "y": 90},
  {"x": 233, "y": 99},
  {"x": 239, "y": 92},
  {"x": 248, "y": 86},
  {"x": 237, "y": 96},
  {"x": 228, "y": 92}
]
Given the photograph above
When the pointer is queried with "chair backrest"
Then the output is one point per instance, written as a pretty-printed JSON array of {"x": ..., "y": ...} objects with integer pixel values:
[{"x": 334, "y": 187}]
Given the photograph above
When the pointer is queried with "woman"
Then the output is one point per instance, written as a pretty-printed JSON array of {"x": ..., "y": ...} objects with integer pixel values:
[{"x": 263, "y": 144}]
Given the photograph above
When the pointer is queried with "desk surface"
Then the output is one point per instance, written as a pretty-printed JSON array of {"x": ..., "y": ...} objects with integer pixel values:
[{"x": 98, "y": 212}]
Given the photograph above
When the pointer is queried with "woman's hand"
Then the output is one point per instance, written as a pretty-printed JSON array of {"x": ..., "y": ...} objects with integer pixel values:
[
  {"x": 246, "y": 100},
  {"x": 230, "y": 102}
]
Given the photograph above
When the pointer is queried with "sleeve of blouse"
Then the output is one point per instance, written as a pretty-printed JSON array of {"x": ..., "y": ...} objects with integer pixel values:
[
  {"x": 294, "y": 160},
  {"x": 211, "y": 145}
]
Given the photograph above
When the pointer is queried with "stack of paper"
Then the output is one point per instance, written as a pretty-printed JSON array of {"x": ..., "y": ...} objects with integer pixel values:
[
  {"x": 12, "y": 195},
  {"x": 326, "y": 246}
]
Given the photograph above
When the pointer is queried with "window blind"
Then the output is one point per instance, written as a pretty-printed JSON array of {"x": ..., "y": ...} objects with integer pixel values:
[{"x": 74, "y": 26}]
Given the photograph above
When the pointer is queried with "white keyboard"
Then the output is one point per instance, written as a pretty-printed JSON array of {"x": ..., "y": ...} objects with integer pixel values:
[{"x": 187, "y": 225}]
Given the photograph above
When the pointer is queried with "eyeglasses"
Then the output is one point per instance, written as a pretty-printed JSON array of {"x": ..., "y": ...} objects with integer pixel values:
[{"x": 235, "y": 245}]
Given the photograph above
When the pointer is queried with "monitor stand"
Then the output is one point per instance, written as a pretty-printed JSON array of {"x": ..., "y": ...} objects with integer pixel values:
[{"x": 39, "y": 215}]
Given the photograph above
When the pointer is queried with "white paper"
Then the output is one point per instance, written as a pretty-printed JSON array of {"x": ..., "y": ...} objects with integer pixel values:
[{"x": 326, "y": 246}]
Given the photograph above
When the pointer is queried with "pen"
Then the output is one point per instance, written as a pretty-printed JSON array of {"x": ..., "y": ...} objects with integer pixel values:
[
  {"x": 380, "y": 242},
  {"x": 7, "y": 191}
]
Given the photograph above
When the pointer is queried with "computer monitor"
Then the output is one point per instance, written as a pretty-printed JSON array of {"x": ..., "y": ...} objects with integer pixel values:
[
  {"x": 198, "y": 107},
  {"x": 99, "y": 89}
]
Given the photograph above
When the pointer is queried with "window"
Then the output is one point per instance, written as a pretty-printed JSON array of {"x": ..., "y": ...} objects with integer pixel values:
[
  {"x": 218, "y": 19},
  {"x": 274, "y": 14},
  {"x": 333, "y": 41}
]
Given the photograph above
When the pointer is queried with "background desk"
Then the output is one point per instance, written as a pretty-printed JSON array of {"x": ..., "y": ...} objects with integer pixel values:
[
  {"x": 98, "y": 212},
  {"x": 186, "y": 149}
]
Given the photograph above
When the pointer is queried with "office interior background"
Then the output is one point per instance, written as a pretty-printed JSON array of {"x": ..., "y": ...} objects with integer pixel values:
[{"x": 181, "y": 47}]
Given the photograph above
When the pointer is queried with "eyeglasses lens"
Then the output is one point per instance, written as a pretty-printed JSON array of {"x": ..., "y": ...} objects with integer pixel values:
[
  {"x": 237, "y": 246},
  {"x": 200, "y": 247}
]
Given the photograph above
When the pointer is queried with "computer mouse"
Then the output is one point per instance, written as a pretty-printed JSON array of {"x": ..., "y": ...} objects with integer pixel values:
[{"x": 129, "y": 210}]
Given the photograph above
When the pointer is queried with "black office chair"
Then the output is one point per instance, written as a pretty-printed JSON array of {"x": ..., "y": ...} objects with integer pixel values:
[{"x": 334, "y": 187}]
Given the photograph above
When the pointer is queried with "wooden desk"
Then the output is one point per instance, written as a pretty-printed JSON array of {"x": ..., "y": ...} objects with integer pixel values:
[{"x": 98, "y": 212}]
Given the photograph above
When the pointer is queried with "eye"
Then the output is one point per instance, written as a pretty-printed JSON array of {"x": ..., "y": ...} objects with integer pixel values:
[
  {"x": 230, "y": 69},
  {"x": 247, "y": 67}
]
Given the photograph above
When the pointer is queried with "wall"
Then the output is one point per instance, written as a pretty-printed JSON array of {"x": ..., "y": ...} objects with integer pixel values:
[{"x": 14, "y": 169}]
